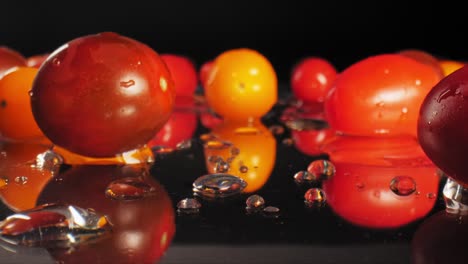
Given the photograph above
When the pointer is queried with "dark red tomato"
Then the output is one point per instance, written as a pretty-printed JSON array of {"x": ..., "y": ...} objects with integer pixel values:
[
  {"x": 181, "y": 126},
  {"x": 442, "y": 126},
  {"x": 425, "y": 58},
  {"x": 362, "y": 194},
  {"x": 142, "y": 229},
  {"x": 101, "y": 95},
  {"x": 310, "y": 142},
  {"x": 10, "y": 58},
  {"x": 183, "y": 72},
  {"x": 204, "y": 71},
  {"x": 36, "y": 60},
  {"x": 311, "y": 79},
  {"x": 440, "y": 239},
  {"x": 379, "y": 95}
]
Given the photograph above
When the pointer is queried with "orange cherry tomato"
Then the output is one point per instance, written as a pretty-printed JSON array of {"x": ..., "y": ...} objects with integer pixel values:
[
  {"x": 16, "y": 119},
  {"x": 10, "y": 58},
  {"x": 311, "y": 79},
  {"x": 183, "y": 73},
  {"x": 363, "y": 195},
  {"x": 251, "y": 155},
  {"x": 449, "y": 66},
  {"x": 379, "y": 95},
  {"x": 242, "y": 85}
]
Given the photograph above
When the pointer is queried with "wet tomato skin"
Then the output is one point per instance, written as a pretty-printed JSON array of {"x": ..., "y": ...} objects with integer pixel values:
[
  {"x": 442, "y": 126},
  {"x": 104, "y": 94},
  {"x": 379, "y": 95}
]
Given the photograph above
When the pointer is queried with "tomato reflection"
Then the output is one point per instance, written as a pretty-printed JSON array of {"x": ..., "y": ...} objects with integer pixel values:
[
  {"x": 24, "y": 182},
  {"x": 257, "y": 152},
  {"x": 180, "y": 126},
  {"x": 441, "y": 238},
  {"x": 142, "y": 228},
  {"x": 363, "y": 194}
]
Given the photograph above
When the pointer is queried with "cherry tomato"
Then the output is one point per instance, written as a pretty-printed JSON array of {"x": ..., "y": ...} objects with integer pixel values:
[
  {"x": 142, "y": 228},
  {"x": 183, "y": 72},
  {"x": 379, "y": 95},
  {"x": 181, "y": 126},
  {"x": 210, "y": 120},
  {"x": 440, "y": 239},
  {"x": 36, "y": 60},
  {"x": 204, "y": 71},
  {"x": 101, "y": 95},
  {"x": 251, "y": 156},
  {"x": 362, "y": 195},
  {"x": 442, "y": 125},
  {"x": 242, "y": 85},
  {"x": 311, "y": 79},
  {"x": 25, "y": 182},
  {"x": 10, "y": 58},
  {"x": 425, "y": 58},
  {"x": 16, "y": 118},
  {"x": 449, "y": 66}
]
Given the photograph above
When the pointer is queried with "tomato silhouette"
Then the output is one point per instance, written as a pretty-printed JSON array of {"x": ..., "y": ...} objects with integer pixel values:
[{"x": 101, "y": 95}]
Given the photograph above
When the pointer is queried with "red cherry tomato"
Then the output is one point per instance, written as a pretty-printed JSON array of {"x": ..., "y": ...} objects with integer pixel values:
[
  {"x": 101, "y": 95},
  {"x": 362, "y": 195},
  {"x": 442, "y": 126},
  {"x": 10, "y": 58},
  {"x": 425, "y": 58},
  {"x": 311, "y": 79},
  {"x": 379, "y": 95},
  {"x": 204, "y": 72},
  {"x": 180, "y": 126},
  {"x": 183, "y": 72},
  {"x": 36, "y": 60},
  {"x": 142, "y": 228}
]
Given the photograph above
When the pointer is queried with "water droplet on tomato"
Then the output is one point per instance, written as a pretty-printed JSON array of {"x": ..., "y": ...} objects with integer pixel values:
[{"x": 403, "y": 185}]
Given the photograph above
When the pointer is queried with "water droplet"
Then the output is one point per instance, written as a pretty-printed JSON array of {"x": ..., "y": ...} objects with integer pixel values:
[
  {"x": 304, "y": 176},
  {"x": 276, "y": 129},
  {"x": 3, "y": 154},
  {"x": 300, "y": 124},
  {"x": 271, "y": 211},
  {"x": 403, "y": 185},
  {"x": 255, "y": 202},
  {"x": 3, "y": 182},
  {"x": 360, "y": 186},
  {"x": 214, "y": 159},
  {"x": 48, "y": 160},
  {"x": 380, "y": 104},
  {"x": 138, "y": 62},
  {"x": 404, "y": 110},
  {"x": 230, "y": 159},
  {"x": 314, "y": 197},
  {"x": 30, "y": 93},
  {"x": 218, "y": 185},
  {"x": 207, "y": 137},
  {"x": 288, "y": 141},
  {"x": 56, "y": 62},
  {"x": 431, "y": 196},
  {"x": 21, "y": 180},
  {"x": 243, "y": 169},
  {"x": 128, "y": 189},
  {"x": 455, "y": 197},
  {"x": 53, "y": 225},
  {"x": 185, "y": 144},
  {"x": 163, "y": 83},
  {"x": 188, "y": 206},
  {"x": 235, "y": 151},
  {"x": 418, "y": 82},
  {"x": 127, "y": 84},
  {"x": 221, "y": 166},
  {"x": 321, "y": 169},
  {"x": 217, "y": 144}
]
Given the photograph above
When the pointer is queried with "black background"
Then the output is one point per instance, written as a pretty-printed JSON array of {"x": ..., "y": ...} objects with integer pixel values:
[{"x": 284, "y": 31}]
